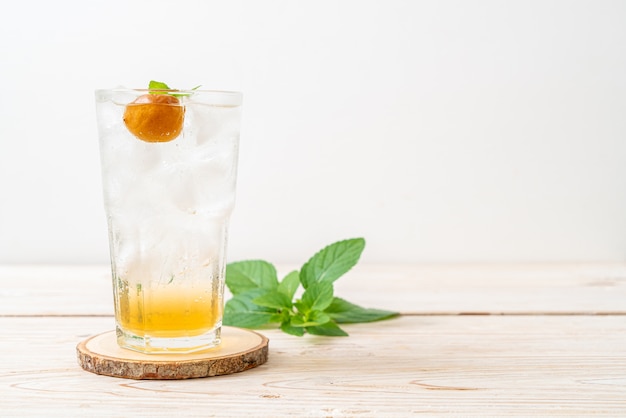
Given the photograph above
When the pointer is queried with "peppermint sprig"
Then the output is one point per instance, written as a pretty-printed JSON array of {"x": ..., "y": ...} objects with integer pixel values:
[
  {"x": 158, "y": 87},
  {"x": 260, "y": 299}
]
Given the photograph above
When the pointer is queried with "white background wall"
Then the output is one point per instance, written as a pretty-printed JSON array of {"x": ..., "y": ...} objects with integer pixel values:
[{"x": 438, "y": 130}]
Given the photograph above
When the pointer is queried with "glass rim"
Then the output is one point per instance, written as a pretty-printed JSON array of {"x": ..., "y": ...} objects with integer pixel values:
[
  {"x": 231, "y": 97},
  {"x": 174, "y": 91}
]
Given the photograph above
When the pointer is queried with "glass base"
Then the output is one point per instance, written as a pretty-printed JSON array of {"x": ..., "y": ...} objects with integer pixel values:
[{"x": 168, "y": 345}]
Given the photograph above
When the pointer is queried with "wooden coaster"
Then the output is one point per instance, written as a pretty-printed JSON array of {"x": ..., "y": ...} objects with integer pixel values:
[{"x": 240, "y": 350}]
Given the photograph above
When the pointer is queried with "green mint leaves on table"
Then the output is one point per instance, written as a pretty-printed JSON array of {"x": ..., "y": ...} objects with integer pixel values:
[{"x": 259, "y": 298}]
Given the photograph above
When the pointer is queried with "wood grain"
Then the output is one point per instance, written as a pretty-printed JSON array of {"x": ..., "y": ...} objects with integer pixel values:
[
  {"x": 551, "y": 288},
  {"x": 474, "y": 341},
  {"x": 239, "y": 351},
  {"x": 432, "y": 366}
]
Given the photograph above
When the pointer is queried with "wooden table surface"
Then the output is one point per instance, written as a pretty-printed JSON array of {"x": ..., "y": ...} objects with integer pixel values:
[{"x": 472, "y": 340}]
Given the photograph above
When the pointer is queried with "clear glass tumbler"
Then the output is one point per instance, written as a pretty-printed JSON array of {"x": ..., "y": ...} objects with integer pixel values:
[{"x": 169, "y": 169}]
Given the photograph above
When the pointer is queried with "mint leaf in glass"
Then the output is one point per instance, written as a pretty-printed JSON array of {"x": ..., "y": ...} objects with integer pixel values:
[{"x": 156, "y": 87}]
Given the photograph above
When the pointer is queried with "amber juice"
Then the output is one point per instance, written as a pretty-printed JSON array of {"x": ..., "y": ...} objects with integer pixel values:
[{"x": 167, "y": 311}]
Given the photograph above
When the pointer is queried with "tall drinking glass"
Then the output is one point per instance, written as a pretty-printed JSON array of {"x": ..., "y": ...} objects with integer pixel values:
[{"x": 169, "y": 168}]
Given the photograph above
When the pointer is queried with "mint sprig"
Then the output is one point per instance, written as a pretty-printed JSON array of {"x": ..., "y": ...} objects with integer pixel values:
[
  {"x": 260, "y": 299},
  {"x": 158, "y": 87}
]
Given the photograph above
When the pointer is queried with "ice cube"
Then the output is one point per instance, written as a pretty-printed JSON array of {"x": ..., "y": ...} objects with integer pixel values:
[
  {"x": 213, "y": 123},
  {"x": 123, "y": 96}
]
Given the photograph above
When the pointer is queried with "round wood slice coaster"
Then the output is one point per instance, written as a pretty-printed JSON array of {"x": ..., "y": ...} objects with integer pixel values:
[{"x": 240, "y": 350}]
